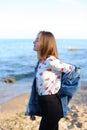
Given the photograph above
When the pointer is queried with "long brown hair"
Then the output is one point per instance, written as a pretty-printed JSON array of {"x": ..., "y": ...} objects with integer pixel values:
[{"x": 48, "y": 45}]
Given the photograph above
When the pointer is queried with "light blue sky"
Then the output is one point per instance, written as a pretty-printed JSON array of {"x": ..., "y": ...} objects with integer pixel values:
[{"x": 24, "y": 18}]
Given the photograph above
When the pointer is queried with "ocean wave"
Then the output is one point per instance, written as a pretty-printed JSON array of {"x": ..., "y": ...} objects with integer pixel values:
[
  {"x": 18, "y": 77},
  {"x": 23, "y": 75}
]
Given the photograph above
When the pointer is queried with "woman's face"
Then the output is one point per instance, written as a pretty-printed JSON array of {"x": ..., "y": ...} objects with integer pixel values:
[{"x": 37, "y": 43}]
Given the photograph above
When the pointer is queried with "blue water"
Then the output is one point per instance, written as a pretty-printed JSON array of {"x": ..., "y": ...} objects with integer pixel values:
[{"x": 18, "y": 60}]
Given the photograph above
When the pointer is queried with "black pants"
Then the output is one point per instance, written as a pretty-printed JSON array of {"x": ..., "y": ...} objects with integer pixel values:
[{"x": 52, "y": 112}]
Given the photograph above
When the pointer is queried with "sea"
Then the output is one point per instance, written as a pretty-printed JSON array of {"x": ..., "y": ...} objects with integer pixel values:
[{"x": 18, "y": 61}]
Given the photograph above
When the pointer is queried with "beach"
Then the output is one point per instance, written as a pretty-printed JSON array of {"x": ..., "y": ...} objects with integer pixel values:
[
  {"x": 17, "y": 62},
  {"x": 12, "y": 113}
]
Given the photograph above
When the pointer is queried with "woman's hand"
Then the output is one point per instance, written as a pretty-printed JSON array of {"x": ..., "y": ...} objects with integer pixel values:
[{"x": 32, "y": 118}]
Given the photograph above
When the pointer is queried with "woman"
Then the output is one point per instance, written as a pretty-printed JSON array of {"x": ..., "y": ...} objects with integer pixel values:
[{"x": 48, "y": 80}]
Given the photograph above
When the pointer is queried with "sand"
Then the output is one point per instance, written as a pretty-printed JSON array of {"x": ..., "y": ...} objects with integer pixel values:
[{"x": 12, "y": 114}]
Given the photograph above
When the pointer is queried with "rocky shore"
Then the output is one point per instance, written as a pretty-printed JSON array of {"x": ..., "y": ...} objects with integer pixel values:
[{"x": 12, "y": 114}]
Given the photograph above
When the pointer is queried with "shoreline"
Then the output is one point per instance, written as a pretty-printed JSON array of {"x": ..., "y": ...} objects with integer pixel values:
[
  {"x": 79, "y": 98},
  {"x": 14, "y": 103},
  {"x": 82, "y": 96},
  {"x": 9, "y": 91},
  {"x": 13, "y": 90}
]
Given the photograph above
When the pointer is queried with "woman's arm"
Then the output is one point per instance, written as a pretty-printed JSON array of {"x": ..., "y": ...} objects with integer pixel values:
[{"x": 57, "y": 65}]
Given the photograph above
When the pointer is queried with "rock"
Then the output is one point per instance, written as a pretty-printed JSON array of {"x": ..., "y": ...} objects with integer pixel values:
[
  {"x": 75, "y": 115},
  {"x": 9, "y": 80},
  {"x": 73, "y": 107},
  {"x": 73, "y": 121},
  {"x": 71, "y": 127},
  {"x": 73, "y": 49},
  {"x": 79, "y": 125}
]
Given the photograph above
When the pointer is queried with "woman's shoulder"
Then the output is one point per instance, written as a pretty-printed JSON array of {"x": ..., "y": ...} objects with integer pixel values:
[{"x": 51, "y": 58}]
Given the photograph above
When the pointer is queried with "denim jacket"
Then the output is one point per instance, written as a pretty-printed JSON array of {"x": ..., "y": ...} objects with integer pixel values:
[{"x": 70, "y": 85}]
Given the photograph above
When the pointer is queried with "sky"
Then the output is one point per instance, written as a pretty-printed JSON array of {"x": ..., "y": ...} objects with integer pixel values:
[{"x": 25, "y": 18}]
